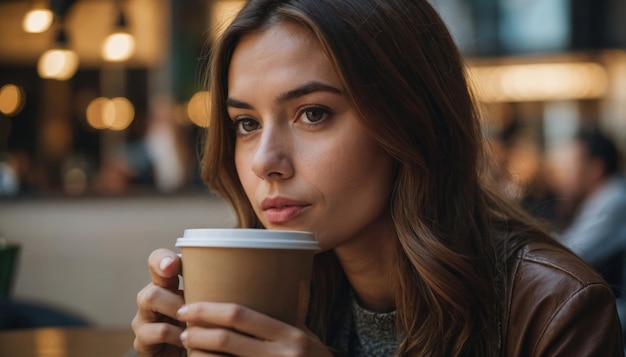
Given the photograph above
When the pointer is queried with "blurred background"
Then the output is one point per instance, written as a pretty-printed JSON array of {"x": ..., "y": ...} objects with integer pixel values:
[{"x": 102, "y": 113}]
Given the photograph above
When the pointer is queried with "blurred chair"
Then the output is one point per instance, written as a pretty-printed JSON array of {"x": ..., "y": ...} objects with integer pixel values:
[
  {"x": 18, "y": 314},
  {"x": 8, "y": 261}
]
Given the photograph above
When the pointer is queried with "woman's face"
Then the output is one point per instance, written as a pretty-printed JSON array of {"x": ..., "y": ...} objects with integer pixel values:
[{"x": 303, "y": 157}]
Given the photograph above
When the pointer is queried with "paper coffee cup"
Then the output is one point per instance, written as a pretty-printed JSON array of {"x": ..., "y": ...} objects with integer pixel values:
[{"x": 266, "y": 270}]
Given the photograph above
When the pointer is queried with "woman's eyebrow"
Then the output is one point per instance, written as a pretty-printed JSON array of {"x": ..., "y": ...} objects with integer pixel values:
[
  {"x": 303, "y": 90},
  {"x": 231, "y": 102}
]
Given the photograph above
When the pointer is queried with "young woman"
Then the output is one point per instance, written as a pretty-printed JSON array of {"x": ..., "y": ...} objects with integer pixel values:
[{"x": 352, "y": 119}]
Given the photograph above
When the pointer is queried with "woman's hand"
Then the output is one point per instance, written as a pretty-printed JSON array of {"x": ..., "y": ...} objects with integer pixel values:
[
  {"x": 243, "y": 332},
  {"x": 157, "y": 332}
]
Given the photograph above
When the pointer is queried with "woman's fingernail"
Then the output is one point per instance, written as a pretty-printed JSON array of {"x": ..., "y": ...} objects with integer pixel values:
[
  {"x": 182, "y": 311},
  {"x": 165, "y": 262},
  {"x": 183, "y": 336}
]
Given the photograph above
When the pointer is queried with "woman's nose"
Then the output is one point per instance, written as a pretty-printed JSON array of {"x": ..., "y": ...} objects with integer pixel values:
[{"x": 273, "y": 158}]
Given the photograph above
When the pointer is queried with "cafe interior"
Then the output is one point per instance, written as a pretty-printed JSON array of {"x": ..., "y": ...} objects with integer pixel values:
[{"x": 103, "y": 111}]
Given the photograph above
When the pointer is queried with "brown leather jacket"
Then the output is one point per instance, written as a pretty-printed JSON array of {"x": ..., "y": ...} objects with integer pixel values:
[{"x": 557, "y": 306}]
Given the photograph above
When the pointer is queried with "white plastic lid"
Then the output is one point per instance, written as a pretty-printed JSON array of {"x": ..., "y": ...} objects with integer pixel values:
[{"x": 247, "y": 238}]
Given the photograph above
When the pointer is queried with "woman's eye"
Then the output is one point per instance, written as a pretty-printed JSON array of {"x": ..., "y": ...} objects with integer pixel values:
[
  {"x": 245, "y": 126},
  {"x": 314, "y": 115}
]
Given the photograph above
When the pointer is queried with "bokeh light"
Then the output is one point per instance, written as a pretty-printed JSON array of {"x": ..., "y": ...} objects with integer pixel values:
[
  {"x": 37, "y": 20},
  {"x": 95, "y": 109},
  {"x": 58, "y": 64},
  {"x": 539, "y": 82},
  {"x": 114, "y": 114},
  {"x": 124, "y": 113},
  {"x": 11, "y": 99},
  {"x": 118, "y": 47},
  {"x": 198, "y": 109}
]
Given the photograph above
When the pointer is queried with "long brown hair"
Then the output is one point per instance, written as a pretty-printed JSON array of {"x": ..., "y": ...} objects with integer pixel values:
[{"x": 406, "y": 80}]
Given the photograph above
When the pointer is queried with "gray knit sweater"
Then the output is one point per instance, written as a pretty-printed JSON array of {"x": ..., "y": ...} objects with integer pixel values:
[{"x": 367, "y": 333}]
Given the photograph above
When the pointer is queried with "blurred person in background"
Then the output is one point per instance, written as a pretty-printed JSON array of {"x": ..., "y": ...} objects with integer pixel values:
[
  {"x": 18, "y": 174},
  {"x": 589, "y": 180},
  {"x": 517, "y": 166},
  {"x": 163, "y": 143},
  {"x": 9, "y": 179}
]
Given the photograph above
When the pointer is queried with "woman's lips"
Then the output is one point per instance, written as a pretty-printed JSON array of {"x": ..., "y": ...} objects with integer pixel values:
[
  {"x": 281, "y": 210},
  {"x": 282, "y": 215}
]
